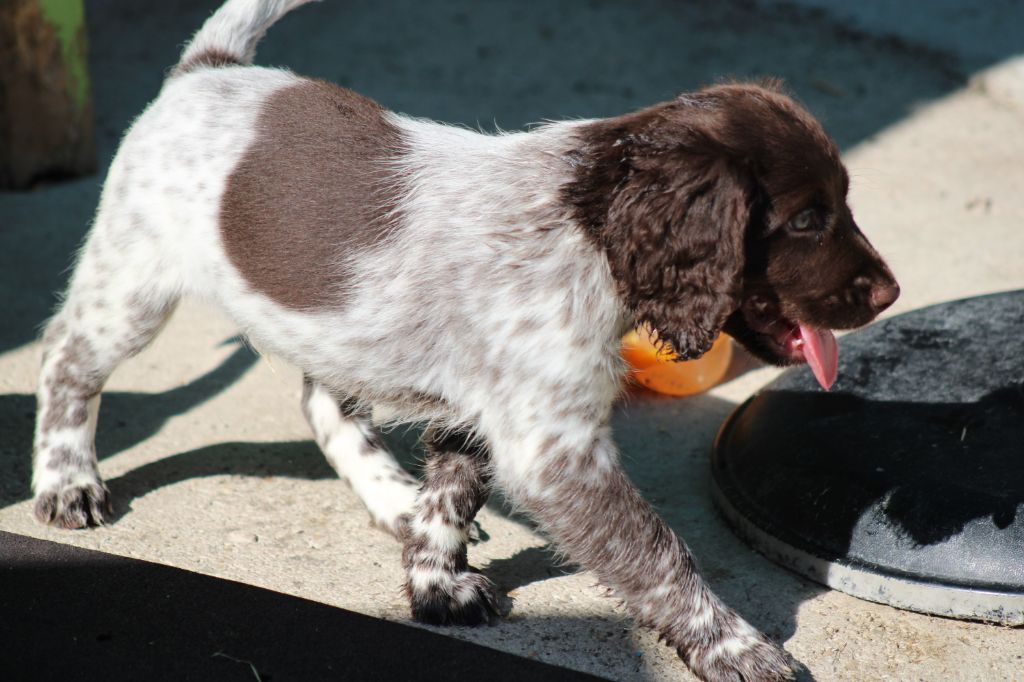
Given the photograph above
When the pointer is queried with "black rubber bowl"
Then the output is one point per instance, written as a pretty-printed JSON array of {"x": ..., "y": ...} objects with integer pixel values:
[{"x": 904, "y": 484}]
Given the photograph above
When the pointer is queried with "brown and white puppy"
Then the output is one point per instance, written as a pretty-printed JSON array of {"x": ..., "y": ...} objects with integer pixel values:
[{"x": 478, "y": 283}]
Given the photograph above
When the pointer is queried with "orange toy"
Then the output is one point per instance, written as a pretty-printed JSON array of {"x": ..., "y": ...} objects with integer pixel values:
[{"x": 659, "y": 372}]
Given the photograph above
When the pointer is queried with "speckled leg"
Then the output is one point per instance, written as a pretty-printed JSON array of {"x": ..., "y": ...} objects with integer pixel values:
[
  {"x": 354, "y": 449},
  {"x": 104, "y": 319},
  {"x": 581, "y": 497},
  {"x": 442, "y": 588}
]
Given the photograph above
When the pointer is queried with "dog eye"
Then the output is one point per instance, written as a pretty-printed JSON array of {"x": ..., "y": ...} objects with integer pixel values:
[{"x": 806, "y": 220}]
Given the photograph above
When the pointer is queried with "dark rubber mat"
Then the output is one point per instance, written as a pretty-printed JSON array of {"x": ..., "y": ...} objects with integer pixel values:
[
  {"x": 905, "y": 484},
  {"x": 74, "y": 614}
]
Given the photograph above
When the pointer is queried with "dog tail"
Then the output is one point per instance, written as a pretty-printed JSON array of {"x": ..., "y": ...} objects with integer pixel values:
[{"x": 229, "y": 37}]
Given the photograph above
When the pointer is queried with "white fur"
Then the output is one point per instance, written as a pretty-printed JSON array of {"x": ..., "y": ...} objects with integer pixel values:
[{"x": 380, "y": 482}]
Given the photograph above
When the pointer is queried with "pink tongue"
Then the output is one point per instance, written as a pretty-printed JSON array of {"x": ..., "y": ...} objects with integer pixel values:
[{"x": 822, "y": 354}]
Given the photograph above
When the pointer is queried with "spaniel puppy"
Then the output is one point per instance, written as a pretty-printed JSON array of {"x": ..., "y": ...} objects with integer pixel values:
[{"x": 477, "y": 283}]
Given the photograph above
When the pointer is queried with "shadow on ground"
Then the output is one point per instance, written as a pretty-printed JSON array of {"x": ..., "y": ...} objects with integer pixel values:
[
  {"x": 126, "y": 419},
  {"x": 138, "y": 633}
]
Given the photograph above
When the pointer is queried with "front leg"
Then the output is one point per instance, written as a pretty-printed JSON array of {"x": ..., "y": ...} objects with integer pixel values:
[
  {"x": 572, "y": 483},
  {"x": 442, "y": 588}
]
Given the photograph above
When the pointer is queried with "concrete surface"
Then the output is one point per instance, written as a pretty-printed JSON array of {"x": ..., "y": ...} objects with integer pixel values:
[{"x": 204, "y": 446}]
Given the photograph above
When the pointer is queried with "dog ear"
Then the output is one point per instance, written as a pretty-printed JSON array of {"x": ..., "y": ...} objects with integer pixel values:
[{"x": 675, "y": 236}]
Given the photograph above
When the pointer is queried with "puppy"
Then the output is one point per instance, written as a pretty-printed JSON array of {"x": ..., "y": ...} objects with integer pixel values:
[{"x": 477, "y": 283}]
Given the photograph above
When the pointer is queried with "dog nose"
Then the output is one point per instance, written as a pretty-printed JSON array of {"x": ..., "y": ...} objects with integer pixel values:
[{"x": 884, "y": 295}]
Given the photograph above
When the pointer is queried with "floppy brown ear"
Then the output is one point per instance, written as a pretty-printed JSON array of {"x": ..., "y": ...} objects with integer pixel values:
[{"x": 675, "y": 242}]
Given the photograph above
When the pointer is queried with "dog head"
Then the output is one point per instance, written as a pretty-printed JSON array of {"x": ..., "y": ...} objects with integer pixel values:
[{"x": 726, "y": 209}]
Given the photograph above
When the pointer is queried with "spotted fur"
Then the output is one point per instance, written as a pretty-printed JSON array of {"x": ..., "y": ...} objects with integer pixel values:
[
  {"x": 478, "y": 283},
  {"x": 442, "y": 588}
]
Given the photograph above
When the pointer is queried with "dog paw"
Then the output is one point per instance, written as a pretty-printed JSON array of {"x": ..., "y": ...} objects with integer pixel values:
[
  {"x": 747, "y": 658},
  {"x": 74, "y": 506},
  {"x": 465, "y": 599}
]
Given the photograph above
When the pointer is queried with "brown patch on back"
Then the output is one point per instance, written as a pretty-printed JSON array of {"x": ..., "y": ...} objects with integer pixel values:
[{"x": 312, "y": 191}]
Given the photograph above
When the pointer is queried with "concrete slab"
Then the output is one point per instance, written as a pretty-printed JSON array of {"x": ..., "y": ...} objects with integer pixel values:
[{"x": 203, "y": 444}]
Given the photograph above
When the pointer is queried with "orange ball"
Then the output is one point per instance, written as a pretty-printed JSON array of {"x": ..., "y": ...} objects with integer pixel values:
[{"x": 658, "y": 371}]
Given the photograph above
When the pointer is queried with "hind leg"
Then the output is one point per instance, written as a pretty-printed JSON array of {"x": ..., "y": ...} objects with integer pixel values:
[
  {"x": 442, "y": 588},
  {"x": 105, "y": 318},
  {"x": 354, "y": 449}
]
